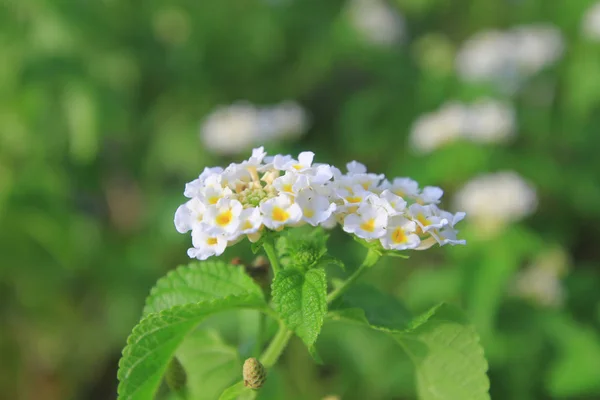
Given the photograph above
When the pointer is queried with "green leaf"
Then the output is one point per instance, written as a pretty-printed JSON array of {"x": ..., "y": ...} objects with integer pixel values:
[
  {"x": 199, "y": 281},
  {"x": 153, "y": 342},
  {"x": 366, "y": 305},
  {"x": 210, "y": 363},
  {"x": 238, "y": 392},
  {"x": 302, "y": 248},
  {"x": 301, "y": 301},
  {"x": 448, "y": 358}
]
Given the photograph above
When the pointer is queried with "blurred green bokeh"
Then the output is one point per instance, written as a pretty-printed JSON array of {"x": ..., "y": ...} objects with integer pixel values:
[{"x": 101, "y": 104}]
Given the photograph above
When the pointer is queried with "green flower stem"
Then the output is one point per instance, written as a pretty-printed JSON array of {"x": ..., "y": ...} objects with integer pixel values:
[
  {"x": 269, "y": 247},
  {"x": 370, "y": 259},
  {"x": 276, "y": 347},
  {"x": 262, "y": 319}
]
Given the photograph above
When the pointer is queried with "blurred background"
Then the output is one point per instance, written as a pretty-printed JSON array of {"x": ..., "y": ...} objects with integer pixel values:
[{"x": 107, "y": 108}]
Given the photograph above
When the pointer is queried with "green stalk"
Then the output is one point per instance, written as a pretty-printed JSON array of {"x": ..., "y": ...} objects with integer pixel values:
[
  {"x": 271, "y": 255},
  {"x": 370, "y": 259},
  {"x": 276, "y": 347}
]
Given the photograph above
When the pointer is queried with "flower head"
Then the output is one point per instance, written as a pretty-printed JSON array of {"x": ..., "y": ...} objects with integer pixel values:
[{"x": 271, "y": 193}]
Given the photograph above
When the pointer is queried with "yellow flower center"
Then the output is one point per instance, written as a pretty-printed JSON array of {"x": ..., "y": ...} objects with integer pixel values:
[
  {"x": 308, "y": 213},
  {"x": 423, "y": 220},
  {"x": 368, "y": 226},
  {"x": 213, "y": 199},
  {"x": 365, "y": 185},
  {"x": 298, "y": 167},
  {"x": 247, "y": 225},
  {"x": 353, "y": 199},
  {"x": 224, "y": 218},
  {"x": 288, "y": 188},
  {"x": 399, "y": 193},
  {"x": 211, "y": 241},
  {"x": 398, "y": 236},
  {"x": 280, "y": 215}
]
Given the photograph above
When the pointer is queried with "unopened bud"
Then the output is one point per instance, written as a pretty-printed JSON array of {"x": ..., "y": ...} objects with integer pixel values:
[
  {"x": 175, "y": 376},
  {"x": 254, "y": 373}
]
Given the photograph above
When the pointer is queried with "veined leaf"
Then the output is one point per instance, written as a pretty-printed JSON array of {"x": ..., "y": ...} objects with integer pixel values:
[
  {"x": 448, "y": 358},
  {"x": 199, "y": 281},
  {"x": 365, "y": 305},
  {"x": 300, "y": 298},
  {"x": 155, "y": 339},
  {"x": 210, "y": 363}
]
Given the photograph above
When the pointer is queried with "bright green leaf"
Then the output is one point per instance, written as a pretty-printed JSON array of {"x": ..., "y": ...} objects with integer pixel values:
[
  {"x": 448, "y": 358},
  {"x": 199, "y": 281},
  {"x": 238, "y": 392},
  {"x": 210, "y": 363},
  {"x": 301, "y": 301},
  {"x": 155, "y": 339},
  {"x": 365, "y": 305}
]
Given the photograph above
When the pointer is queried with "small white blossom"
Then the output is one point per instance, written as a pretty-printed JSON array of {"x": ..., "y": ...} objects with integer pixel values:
[
  {"x": 291, "y": 183},
  {"x": 376, "y": 21},
  {"x": 427, "y": 217},
  {"x": 400, "y": 234},
  {"x": 206, "y": 245},
  {"x": 494, "y": 200},
  {"x": 369, "y": 222},
  {"x": 280, "y": 211},
  {"x": 232, "y": 129},
  {"x": 315, "y": 208},
  {"x": 189, "y": 215},
  {"x": 591, "y": 22},
  {"x": 223, "y": 217}
]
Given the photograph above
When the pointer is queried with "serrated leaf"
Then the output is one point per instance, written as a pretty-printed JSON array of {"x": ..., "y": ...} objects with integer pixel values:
[
  {"x": 366, "y": 305},
  {"x": 155, "y": 339},
  {"x": 448, "y": 358},
  {"x": 210, "y": 363},
  {"x": 301, "y": 301},
  {"x": 199, "y": 281},
  {"x": 238, "y": 392}
]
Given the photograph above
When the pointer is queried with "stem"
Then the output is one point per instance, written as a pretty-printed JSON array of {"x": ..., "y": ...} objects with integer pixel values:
[
  {"x": 259, "y": 335},
  {"x": 370, "y": 259},
  {"x": 271, "y": 255},
  {"x": 276, "y": 347}
]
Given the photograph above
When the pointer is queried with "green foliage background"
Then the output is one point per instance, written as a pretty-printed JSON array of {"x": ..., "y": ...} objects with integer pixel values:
[{"x": 100, "y": 104}]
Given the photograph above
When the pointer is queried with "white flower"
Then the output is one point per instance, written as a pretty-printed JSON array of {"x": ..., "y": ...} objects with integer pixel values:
[
  {"x": 303, "y": 163},
  {"x": 315, "y": 208},
  {"x": 206, "y": 245},
  {"x": 507, "y": 58},
  {"x": 192, "y": 188},
  {"x": 403, "y": 187},
  {"x": 485, "y": 121},
  {"x": 494, "y": 200},
  {"x": 591, "y": 22},
  {"x": 430, "y": 195},
  {"x": 392, "y": 203},
  {"x": 189, "y": 215},
  {"x": 369, "y": 222},
  {"x": 400, "y": 234},
  {"x": 376, "y": 21},
  {"x": 291, "y": 183},
  {"x": 427, "y": 217},
  {"x": 223, "y": 218},
  {"x": 280, "y": 211},
  {"x": 232, "y": 129},
  {"x": 250, "y": 220}
]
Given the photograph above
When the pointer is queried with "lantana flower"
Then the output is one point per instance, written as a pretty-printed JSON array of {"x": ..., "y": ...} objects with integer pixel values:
[{"x": 271, "y": 193}]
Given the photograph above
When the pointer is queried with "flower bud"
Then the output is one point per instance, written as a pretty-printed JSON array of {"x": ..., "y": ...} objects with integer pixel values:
[{"x": 254, "y": 373}]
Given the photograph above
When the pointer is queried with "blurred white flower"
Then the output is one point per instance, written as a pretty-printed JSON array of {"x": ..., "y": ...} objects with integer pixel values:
[
  {"x": 591, "y": 22},
  {"x": 376, "y": 21},
  {"x": 237, "y": 127},
  {"x": 540, "y": 281},
  {"x": 494, "y": 200},
  {"x": 507, "y": 57},
  {"x": 485, "y": 121}
]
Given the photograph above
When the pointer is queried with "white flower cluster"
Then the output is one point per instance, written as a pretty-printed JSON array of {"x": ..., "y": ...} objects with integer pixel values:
[
  {"x": 591, "y": 22},
  {"x": 376, "y": 21},
  {"x": 272, "y": 193},
  {"x": 237, "y": 127},
  {"x": 505, "y": 57},
  {"x": 485, "y": 121},
  {"x": 495, "y": 200}
]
